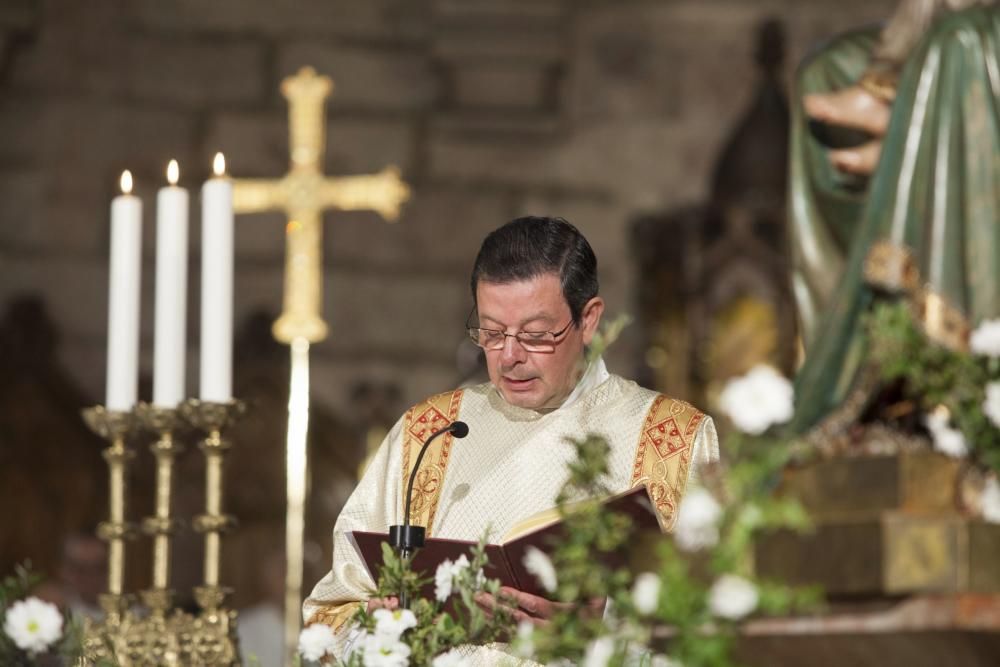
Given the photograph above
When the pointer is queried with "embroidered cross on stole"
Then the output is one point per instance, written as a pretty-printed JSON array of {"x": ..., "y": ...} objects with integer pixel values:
[{"x": 663, "y": 454}]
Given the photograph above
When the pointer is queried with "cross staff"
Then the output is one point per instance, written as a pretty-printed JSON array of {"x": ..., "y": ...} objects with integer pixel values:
[{"x": 303, "y": 194}]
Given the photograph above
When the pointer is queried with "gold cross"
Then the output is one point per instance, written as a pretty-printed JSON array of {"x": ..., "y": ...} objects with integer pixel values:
[{"x": 303, "y": 193}]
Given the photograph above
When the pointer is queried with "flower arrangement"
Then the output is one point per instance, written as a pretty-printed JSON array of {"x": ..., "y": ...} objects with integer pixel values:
[
  {"x": 686, "y": 611},
  {"x": 958, "y": 392}
]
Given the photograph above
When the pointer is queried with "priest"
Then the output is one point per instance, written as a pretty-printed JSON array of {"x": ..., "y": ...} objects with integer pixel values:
[{"x": 536, "y": 309}]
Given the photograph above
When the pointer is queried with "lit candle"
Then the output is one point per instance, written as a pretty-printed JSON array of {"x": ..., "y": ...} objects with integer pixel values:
[
  {"x": 171, "y": 291},
  {"x": 217, "y": 286},
  {"x": 123, "y": 299}
]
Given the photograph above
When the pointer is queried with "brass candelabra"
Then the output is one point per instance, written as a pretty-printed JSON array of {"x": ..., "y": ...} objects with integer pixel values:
[{"x": 156, "y": 633}]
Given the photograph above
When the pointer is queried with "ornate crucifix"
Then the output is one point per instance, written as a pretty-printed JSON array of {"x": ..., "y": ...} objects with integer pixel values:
[{"x": 303, "y": 194}]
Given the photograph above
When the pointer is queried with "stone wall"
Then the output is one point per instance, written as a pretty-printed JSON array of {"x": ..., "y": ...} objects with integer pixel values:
[{"x": 597, "y": 111}]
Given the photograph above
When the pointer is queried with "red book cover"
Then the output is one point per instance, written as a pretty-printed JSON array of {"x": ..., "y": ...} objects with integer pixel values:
[{"x": 506, "y": 560}]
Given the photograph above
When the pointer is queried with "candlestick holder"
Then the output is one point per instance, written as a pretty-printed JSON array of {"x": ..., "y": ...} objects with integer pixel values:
[
  {"x": 215, "y": 629},
  {"x": 162, "y": 525},
  {"x": 113, "y": 426}
]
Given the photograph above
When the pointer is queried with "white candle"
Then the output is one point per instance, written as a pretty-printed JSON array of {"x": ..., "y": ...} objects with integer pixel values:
[
  {"x": 123, "y": 299},
  {"x": 217, "y": 286},
  {"x": 171, "y": 291}
]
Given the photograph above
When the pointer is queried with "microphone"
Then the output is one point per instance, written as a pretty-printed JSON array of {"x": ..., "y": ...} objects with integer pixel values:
[{"x": 406, "y": 538}]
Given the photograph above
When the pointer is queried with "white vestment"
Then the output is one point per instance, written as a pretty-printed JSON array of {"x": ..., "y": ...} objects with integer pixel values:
[{"x": 511, "y": 465}]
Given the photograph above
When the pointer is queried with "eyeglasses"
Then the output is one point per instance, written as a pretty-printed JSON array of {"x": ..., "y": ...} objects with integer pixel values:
[{"x": 531, "y": 341}]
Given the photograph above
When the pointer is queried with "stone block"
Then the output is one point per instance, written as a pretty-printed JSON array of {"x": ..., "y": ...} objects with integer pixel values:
[
  {"x": 85, "y": 359},
  {"x": 377, "y": 19},
  {"x": 259, "y": 238},
  {"x": 21, "y": 122},
  {"x": 519, "y": 125},
  {"x": 365, "y": 78},
  {"x": 439, "y": 231},
  {"x": 86, "y": 143},
  {"x": 623, "y": 67},
  {"x": 864, "y": 487},
  {"x": 257, "y": 286},
  {"x": 495, "y": 85},
  {"x": 81, "y": 226},
  {"x": 621, "y": 160},
  {"x": 335, "y": 376},
  {"x": 22, "y": 209},
  {"x": 74, "y": 290},
  {"x": 396, "y": 316},
  {"x": 255, "y": 143},
  {"x": 196, "y": 72},
  {"x": 893, "y": 554},
  {"x": 94, "y": 58},
  {"x": 19, "y": 14},
  {"x": 365, "y": 145},
  {"x": 517, "y": 38},
  {"x": 931, "y": 630},
  {"x": 506, "y": 14}
]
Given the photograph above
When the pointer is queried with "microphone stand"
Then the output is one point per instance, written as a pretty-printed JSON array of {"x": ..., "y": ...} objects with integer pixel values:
[{"x": 406, "y": 539}]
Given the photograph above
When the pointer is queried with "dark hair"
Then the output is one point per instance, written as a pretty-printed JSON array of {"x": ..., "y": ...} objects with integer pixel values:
[{"x": 531, "y": 246}]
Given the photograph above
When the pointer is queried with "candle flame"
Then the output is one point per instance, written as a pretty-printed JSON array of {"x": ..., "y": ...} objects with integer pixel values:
[
  {"x": 219, "y": 165},
  {"x": 126, "y": 182},
  {"x": 173, "y": 172}
]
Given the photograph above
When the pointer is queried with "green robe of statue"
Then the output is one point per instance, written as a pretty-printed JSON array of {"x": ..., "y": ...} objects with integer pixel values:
[{"x": 931, "y": 210}]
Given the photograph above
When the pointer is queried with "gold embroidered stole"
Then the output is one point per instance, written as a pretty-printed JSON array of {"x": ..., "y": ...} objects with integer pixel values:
[
  {"x": 663, "y": 455},
  {"x": 421, "y": 421},
  {"x": 335, "y": 614}
]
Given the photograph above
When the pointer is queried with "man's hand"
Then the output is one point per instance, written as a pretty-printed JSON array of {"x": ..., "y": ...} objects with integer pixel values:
[
  {"x": 527, "y": 607},
  {"x": 383, "y": 603}
]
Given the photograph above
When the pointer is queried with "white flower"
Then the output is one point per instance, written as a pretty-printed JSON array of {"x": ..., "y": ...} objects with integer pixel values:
[
  {"x": 985, "y": 340},
  {"x": 646, "y": 593},
  {"x": 450, "y": 659},
  {"x": 447, "y": 575},
  {"x": 524, "y": 645},
  {"x": 758, "y": 400},
  {"x": 460, "y": 564},
  {"x": 947, "y": 440},
  {"x": 443, "y": 578},
  {"x": 392, "y": 624},
  {"x": 384, "y": 651},
  {"x": 34, "y": 625},
  {"x": 538, "y": 564},
  {"x": 732, "y": 597},
  {"x": 697, "y": 520},
  {"x": 991, "y": 500},
  {"x": 660, "y": 660},
  {"x": 316, "y": 641},
  {"x": 599, "y": 652},
  {"x": 991, "y": 405},
  {"x": 951, "y": 442}
]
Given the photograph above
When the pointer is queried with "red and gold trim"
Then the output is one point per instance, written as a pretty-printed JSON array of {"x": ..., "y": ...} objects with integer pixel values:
[
  {"x": 421, "y": 421},
  {"x": 334, "y": 615},
  {"x": 664, "y": 454}
]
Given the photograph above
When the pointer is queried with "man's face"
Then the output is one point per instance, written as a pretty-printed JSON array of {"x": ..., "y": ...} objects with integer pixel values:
[{"x": 535, "y": 380}]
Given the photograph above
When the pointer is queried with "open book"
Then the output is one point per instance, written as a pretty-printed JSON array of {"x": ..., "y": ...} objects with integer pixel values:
[{"x": 506, "y": 560}]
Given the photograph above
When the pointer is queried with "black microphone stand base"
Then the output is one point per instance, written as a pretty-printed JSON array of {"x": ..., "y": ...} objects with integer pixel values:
[{"x": 406, "y": 539}]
